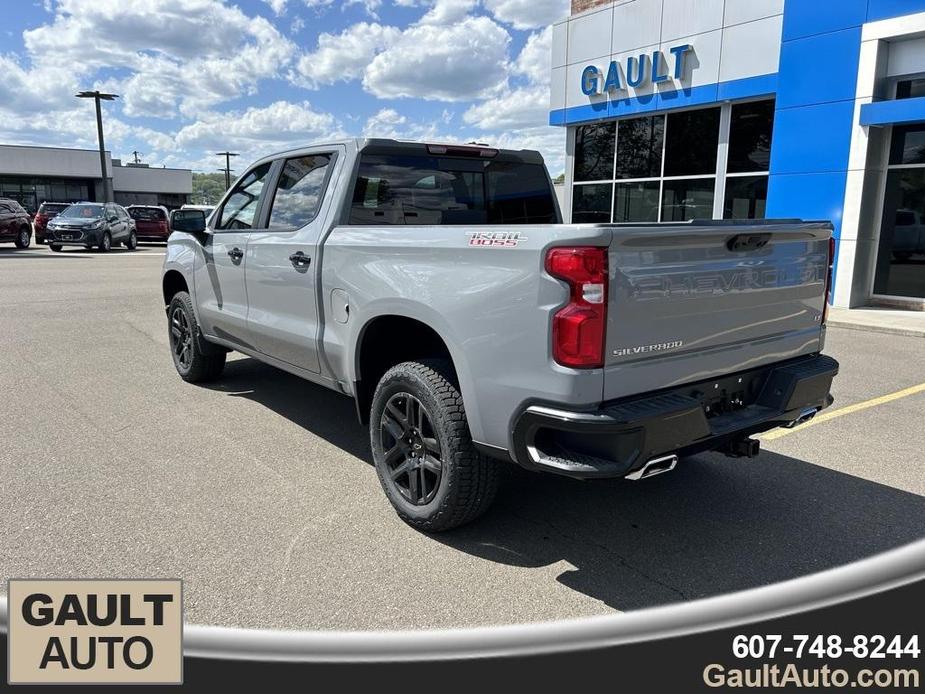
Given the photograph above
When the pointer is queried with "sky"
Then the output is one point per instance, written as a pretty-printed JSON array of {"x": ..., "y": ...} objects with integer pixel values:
[{"x": 197, "y": 77}]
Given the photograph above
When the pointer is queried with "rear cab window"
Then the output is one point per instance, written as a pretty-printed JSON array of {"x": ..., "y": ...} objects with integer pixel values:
[{"x": 427, "y": 188}]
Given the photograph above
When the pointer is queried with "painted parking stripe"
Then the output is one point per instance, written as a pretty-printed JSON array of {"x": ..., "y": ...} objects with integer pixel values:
[{"x": 849, "y": 409}]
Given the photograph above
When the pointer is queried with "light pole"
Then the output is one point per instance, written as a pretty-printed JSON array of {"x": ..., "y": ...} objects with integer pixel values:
[
  {"x": 97, "y": 96},
  {"x": 228, "y": 156}
]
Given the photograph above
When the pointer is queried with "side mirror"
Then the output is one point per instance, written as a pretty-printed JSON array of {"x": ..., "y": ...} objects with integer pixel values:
[{"x": 191, "y": 221}]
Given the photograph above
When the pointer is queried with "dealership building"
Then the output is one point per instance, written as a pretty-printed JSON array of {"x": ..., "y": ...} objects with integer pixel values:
[
  {"x": 741, "y": 109},
  {"x": 33, "y": 175}
]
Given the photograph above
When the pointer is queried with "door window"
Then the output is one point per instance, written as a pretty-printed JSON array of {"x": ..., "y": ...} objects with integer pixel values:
[
  {"x": 299, "y": 191},
  {"x": 240, "y": 210}
]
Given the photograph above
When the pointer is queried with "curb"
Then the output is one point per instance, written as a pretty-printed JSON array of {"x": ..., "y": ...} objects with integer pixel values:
[{"x": 885, "y": 329}]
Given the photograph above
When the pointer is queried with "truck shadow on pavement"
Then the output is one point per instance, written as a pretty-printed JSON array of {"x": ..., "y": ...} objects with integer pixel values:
[{"x": 712, "y": 526}]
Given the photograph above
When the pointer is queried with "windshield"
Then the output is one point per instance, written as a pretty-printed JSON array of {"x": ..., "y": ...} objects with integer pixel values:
[
  {"x": 412, "y": 189},
  {"x": 83, "y": 211},
  {"x": 147, "y": 214}
]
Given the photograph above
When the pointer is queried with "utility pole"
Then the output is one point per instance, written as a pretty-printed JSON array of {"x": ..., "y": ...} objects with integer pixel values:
[
  {"x": 98, "y": 96},
  {"x": 136, "y": 154},
  {"x": 228, "y": 156}
]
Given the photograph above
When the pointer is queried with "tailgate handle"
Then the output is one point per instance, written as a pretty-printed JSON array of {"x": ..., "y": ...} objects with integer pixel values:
[{"x": 747, "y": 242}]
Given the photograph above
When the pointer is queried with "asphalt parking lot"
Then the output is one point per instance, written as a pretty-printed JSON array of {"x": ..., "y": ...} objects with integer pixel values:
[{"x": 259, "y": 493}]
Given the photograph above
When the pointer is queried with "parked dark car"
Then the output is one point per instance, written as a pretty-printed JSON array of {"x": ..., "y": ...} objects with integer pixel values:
[
  {"x": 14, "y": 224},
  {"x": 47, "y": 211},
  {"x": 92, "y": 225},
  {"x": 150, "y": 222}
]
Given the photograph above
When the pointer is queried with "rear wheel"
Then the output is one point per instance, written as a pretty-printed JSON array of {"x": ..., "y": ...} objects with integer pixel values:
[
  {"x": 23, "y": 238},
  {"x": 193, "y": 363},
  {"x": 422, "y": 449},
  {"x": 105, "y": 242}
]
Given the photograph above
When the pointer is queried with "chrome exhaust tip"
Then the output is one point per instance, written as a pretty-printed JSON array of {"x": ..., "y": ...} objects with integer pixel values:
[
  {"x": 804, "y": 417},
  {"x": 656, "y": 466}
]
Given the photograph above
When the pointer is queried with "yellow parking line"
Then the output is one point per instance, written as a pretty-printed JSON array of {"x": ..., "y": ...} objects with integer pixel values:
[{"x": 857, "y": 407}]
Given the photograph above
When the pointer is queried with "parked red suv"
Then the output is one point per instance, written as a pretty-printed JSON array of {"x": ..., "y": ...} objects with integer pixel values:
[
  {"x": 47, "y": 210},
  {"x": 150, "y": 222},
  {"x": 15, "y": 225}
]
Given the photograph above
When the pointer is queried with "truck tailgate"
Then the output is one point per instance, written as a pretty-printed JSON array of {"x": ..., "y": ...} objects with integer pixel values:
[{"x": 695, "y": 301}]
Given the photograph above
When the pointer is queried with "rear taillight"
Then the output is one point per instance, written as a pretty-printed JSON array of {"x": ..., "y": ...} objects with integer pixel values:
[
  {"x": 578, "y": 329},
  {"x": 828, "y": 280},
  {"x": 39, "y": 219}
]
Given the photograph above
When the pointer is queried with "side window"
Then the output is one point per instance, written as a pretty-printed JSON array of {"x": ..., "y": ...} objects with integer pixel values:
[
  {"x": 239, "y": 210},
  {"x": 300, "y": 190}
]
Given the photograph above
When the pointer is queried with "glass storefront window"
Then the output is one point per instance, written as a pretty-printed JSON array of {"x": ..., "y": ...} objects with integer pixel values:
[
  {"x": 691, "y": 141},
  {"x": 664, "y": 166},
  {"x": 750, "y": 130},
  {"x": 908, "y": 144},
  {"x": 639, "y": 147},
  {"x": 591, "y": 202},
  {"x": 910, "y": 89},
  {"x": 901, "y": 257},
  {"x": 594, "y": 146},
  {"x": 746, "y": 197},
  {"x": 636, "y": 202},
  {"x": 687, "y": 199}
]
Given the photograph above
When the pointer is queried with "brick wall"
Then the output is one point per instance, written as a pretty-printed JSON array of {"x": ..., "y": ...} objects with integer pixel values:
[{"x": 582, "y": 5}]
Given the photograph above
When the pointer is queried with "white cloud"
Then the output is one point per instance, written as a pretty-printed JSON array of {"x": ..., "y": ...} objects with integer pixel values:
[
  {"x": 528, "y": 14},
  {"x": 371, "y": 6},
  {"x": 343, "y": 56},
  {"x": 535, "y": 59},
  {"x": 259, "y": 131},
  {"x": 458, "y": 62},
  {"x": 448, "y": 11},
  {"x": 278, "y": 6},
  {"x": 203, "y": 50},
  {"x": 521, "y": 107}
]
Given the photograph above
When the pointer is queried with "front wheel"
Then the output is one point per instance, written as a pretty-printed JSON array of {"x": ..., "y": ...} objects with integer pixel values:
[
  {"x": 132, "y": 242},
  {"x": 55, "y": 247},
  {"x": 105, "y": 242},
  {"x": 23, "y": 238},
  {"x": 422, "y": 449},
  {"x": 192, "y": 363}
]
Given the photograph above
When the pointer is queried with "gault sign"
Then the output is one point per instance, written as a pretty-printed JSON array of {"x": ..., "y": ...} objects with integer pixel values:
[{"x": 636, "y": 71}]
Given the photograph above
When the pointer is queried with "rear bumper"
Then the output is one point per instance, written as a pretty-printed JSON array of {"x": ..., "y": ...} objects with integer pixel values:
[{"x": 619, "y": 437}]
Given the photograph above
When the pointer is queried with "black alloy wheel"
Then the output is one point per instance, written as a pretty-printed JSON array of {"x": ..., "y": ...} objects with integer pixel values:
[
  {"x": 181, "y": 337},
  {"x": 412, "y": 450}
]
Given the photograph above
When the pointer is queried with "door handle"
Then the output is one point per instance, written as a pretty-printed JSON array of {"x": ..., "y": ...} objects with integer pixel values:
[
  {"x": 236, "y": 253},
  {"x": 300, "y": 259}
]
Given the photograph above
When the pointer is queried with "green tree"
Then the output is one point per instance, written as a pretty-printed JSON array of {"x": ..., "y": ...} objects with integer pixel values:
[{"x": 208, "y": 188}]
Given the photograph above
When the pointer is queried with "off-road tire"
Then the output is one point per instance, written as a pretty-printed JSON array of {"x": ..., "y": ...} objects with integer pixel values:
[
  {"x": 469, "y": 481},
  {"x": 203, "y": 364}
]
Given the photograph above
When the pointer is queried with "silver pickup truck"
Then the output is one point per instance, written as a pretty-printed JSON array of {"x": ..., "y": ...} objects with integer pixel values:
[{"x": 437, "y": 286}]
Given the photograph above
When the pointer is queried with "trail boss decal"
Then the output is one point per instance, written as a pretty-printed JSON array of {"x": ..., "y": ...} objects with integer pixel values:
[
  {"x": 645, "y": 349},
  {"x": 497, "y": 239}
]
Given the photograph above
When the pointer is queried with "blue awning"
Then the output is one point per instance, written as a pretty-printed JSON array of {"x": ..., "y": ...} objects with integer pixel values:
[{"x": 893, "y": 112}]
